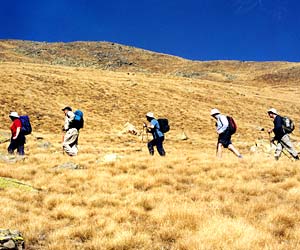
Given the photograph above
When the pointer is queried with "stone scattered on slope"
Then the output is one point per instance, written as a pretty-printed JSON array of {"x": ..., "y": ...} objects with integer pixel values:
[
  {"x": 111, "y": 157},
  {"x": 44, "y": 145},
  {"x": 11, "y": 239},
  {"x": 11, "y": 158},
  {"x": 69, "y": 165}
]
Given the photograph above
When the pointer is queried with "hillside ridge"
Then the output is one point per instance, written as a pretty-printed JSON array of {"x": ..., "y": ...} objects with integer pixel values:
[{"x": 117, "y": 57}]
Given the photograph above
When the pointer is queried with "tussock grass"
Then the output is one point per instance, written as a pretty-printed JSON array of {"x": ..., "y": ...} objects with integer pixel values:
[{"x": 187, "y": 200}]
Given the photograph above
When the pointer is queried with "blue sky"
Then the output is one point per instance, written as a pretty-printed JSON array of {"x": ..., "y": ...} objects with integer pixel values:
[{"x": 251, "y": 30}]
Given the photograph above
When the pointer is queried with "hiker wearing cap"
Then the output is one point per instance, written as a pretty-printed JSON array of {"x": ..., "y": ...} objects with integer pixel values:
[
  {"x": 17, "y": 140},
  {"x": 158, "y": 137},
  {"x": 224, "y": 138},
  {"x": 70, "y": 140},
  {"x": 282, "y": 138}
]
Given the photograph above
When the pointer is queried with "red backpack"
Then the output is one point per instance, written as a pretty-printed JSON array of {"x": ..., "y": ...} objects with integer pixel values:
[{"x": 231, "y": 125}]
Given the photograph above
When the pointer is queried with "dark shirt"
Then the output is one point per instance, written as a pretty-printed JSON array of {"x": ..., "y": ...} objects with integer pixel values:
[{"x": 278, "y": 130}]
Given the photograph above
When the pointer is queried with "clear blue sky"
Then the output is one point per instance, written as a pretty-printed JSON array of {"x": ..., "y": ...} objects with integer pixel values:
[{"x": 255, "y": 30}]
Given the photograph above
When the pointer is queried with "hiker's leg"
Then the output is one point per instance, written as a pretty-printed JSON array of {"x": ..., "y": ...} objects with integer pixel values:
[
  {"x": 278, "y": 150},
  {"x": 21, "y": 141},
  {"x": 69, "y": 140},
  {"x": 219, "y": 150},
  {"x": 224, "y": 140},
  {"x": 159, "y": 146},
  {"x": 150, "y": 145},
  {"x": 234, "y": 150},
  {"x": 21, "y": 150},
  {"x": 287, "y": 144},
  {"x": 12, "y": 146}
]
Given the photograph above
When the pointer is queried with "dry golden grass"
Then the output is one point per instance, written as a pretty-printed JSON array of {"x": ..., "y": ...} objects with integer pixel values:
[{"x": 188, "y": 200}]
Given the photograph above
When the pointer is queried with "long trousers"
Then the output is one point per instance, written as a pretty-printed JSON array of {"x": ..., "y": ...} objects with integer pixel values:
[
  {"x": 286, "y": 143},
  {"x": 17, "y": 144},
  {"x": 158, "y": 142},
  {"x": 71, "y": 141}
]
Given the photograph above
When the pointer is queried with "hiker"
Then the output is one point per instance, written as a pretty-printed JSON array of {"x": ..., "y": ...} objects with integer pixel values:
[
  {"x": 282, "y": 138},
  {"x": 18, "y": 139},
  {"x": 158, "y": 136},
  {"x": 224, "y": 139},
  {"x": 70, "y": 139}
]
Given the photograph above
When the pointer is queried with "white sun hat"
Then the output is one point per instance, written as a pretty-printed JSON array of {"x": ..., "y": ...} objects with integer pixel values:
[
  {"x": 214, "y": 112},
  {"x": 272, "y": 110},
  {"x": 14, "y": 114},
  {"x": 150, "y": 115}
]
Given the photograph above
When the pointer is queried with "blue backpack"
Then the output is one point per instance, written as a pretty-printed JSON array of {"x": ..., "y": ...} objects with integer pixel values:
[
  {"x": 78, "y": 121},
  {"x": 26, "y": 126}
]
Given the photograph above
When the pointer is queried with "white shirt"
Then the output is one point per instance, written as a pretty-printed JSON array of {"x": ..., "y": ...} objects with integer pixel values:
[
  {"x": 222, "y": 123},
  {"x": 69, "y": 117}
]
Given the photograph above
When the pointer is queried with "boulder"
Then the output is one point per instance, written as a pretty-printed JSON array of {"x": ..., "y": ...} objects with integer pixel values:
[{"x": 11, "y": 240}]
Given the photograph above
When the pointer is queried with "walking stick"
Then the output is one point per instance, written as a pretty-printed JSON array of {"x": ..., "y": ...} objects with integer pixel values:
[
  {"x": 270, "y": 139},
  {"x": 143, "y": 133},
  {"x": 62, "y": 141},
  {"x": 283, "y": 151}
]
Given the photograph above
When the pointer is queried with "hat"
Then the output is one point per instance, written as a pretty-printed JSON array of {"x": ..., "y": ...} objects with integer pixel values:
[
  {"x": 67, "y": 108},
  {"x": 14, "y": 114},
  {"x": 150, "y": 115},
  {"x": 273, "y": 111},
  {"x": 214, "y": 112}
]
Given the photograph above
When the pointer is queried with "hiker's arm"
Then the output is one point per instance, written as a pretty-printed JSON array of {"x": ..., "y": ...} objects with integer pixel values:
[
  {"x": 69, "y": 118},
  {"x": 17, "y": 133},
  {"x": 149, "y": 127},
  {"x": 222, "y": 124}
]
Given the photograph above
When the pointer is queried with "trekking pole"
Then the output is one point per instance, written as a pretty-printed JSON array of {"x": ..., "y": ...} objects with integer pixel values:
[
  {"x": 62, "y": 141},
  {"x": 270, "y": 139},
  {"x": 143, "y": 129},
  {"x": 284, "y": 152}
]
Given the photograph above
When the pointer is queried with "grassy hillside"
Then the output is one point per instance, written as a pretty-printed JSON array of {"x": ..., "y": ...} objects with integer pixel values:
[{"x": 187, "y": 200}]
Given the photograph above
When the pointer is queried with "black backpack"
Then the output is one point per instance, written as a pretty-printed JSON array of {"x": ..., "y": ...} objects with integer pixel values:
[
  {"x": 78, "y": 121},
  {"x": 163, "y": 125},
  {"x": 287, "y": 125}
]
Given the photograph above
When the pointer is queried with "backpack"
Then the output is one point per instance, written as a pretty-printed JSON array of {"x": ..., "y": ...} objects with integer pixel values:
[
  {"x": 26, "y": 126},
  {"x": 232, "y": 127},
  {"x": 287, "y": 125},
  {"x": 78, "y": 121},
  {"x": 163, "y": 125}
]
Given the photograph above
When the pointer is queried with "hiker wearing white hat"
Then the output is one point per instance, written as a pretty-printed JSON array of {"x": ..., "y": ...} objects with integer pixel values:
[
  {"x": 281, "y": 136},
  {"x": 224, "y": 133},
  {"x": 158, "y": 137},
  {"x": 17, "y": 140}
]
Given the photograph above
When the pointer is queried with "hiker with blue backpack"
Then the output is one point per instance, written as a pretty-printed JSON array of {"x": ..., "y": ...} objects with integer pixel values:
[
  {"x": 157, "y": 130},
  {"x": 18, "y": 139},
  {"x": 283, "y": 126},
  {"x": 73, "y": 123},
  {"x": 225, "y": 127}
]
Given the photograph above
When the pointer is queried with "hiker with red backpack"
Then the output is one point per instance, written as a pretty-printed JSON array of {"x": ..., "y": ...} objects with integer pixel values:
[
  {"x": 18, "y": 139},
  {"x": 225, "y": 127},
  {"x": 282, "y": 127},
  {"x": 73, "y": 123},
  {"x": 157, "y": 132}
]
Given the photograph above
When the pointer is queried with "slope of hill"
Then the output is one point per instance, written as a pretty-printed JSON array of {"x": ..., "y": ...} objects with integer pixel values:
[
  {"x": 188, "y": 200},
  {"x": 112, "y": 56}
]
